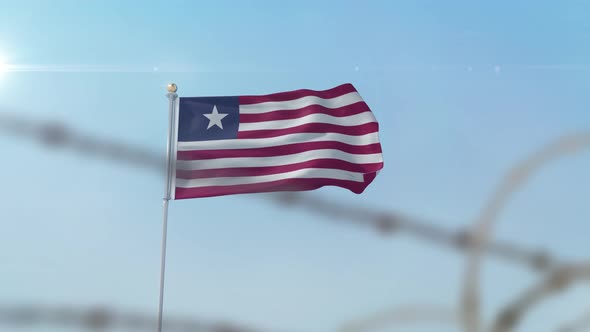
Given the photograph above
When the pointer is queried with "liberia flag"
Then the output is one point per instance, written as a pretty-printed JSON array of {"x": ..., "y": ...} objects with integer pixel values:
[{"x": 289, "y": 141}]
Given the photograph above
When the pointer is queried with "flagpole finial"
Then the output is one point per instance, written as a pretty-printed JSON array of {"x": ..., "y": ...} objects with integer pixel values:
[{"x": 172, "y": 88}]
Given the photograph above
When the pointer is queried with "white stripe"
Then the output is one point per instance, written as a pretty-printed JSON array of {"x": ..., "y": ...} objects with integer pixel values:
[
  {"x": 301, "y": 174},
  {"x": 340, "y": 101},
  {"x": 248, "y": 143},
  {"x": 279, "y": 160},
  {"x": 351, "y": 120},
  {"x": 175, "y": 151}
]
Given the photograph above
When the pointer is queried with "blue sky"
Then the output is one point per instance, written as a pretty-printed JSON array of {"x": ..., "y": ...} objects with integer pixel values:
[{"x": 462, "y": 91}]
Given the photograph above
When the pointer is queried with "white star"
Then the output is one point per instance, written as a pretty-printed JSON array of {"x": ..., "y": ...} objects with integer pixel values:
[{"x": 215, "y": 118}]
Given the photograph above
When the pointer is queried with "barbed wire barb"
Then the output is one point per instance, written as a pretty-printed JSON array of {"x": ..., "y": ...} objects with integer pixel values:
[
  {"x": 57, "y": 134},
  {"x": 483, "y": 225},
  {"x": 474, "y": 241},
  {"x": 556, "y": 281},
  {"x": 102, "y": 318}
]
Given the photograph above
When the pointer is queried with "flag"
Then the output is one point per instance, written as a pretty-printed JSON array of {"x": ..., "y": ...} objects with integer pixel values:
[{"x": 289, "y": 141}]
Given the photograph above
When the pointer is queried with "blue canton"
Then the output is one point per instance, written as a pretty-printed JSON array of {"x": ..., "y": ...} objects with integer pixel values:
[{"x": 192, "y": 122}]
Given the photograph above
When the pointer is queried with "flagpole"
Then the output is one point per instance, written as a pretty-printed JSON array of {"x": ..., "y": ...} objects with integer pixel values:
[{"x": 172, "y": 88}]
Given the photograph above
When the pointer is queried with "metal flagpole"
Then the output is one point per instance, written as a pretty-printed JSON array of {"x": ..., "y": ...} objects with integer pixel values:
[{"x": 168, "y": 191}]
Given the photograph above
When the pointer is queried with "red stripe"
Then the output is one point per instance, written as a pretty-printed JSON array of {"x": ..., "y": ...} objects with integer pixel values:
[
  {"x": 352, "y": 109},
  {"x": 259, "y": 171},
  {"x": 359, "y": 130},
  {"x": 290, "y": 95},
  {"x": 281, "y": 150},
  {"x": 274, "y": 186}
]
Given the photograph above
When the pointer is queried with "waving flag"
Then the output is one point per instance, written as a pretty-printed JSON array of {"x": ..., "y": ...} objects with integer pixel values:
[{"x": 289, "y": 141}]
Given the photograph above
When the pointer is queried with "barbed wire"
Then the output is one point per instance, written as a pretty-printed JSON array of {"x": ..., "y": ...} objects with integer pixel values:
[
  {"x": 474, "y": 241},
  {"x": 57, "y": 134},
  {"x": 559, "y": 276},
  {"x": 556, "y": 281},
  {"x": 389, "y": 223},
  {"x": 516, "y": 177},
  {"x": 104, "y": 318}
]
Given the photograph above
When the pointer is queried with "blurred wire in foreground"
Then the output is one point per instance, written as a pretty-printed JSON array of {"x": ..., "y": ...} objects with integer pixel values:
[
  {"x": 483, "y": 226},
  {"x": 558, "y": 277},
  {"x": 389, "y": 223},
  {"x": 474, "y": 241},
  {"x": 57, "y": 134},
  {"x": 556, "y": 281},
  {"x": 104, "y": 319}
]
